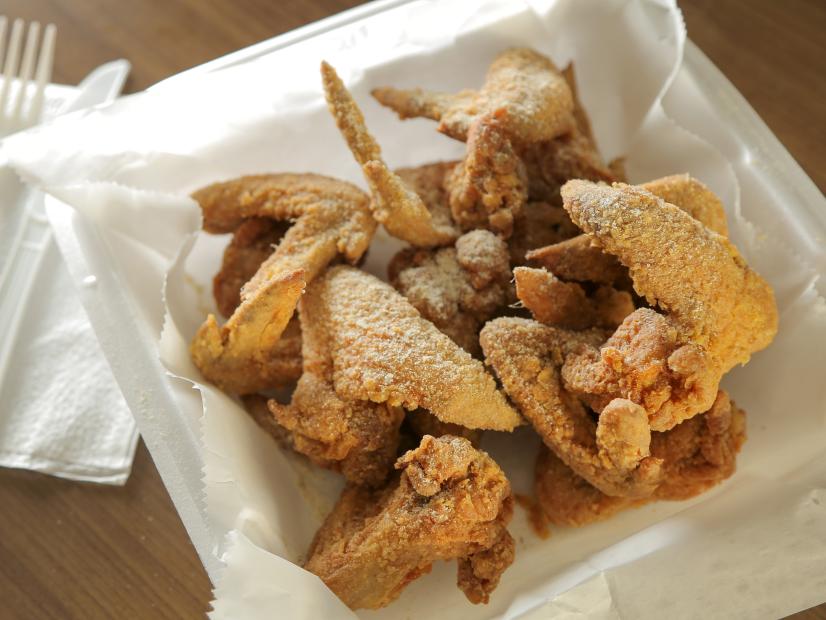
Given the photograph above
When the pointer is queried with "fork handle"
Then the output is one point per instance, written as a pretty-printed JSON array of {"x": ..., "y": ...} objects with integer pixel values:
[{"x": 20, "y": 272}]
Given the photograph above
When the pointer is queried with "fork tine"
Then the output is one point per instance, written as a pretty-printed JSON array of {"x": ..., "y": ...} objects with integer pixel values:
[
  {"x": 3, "y": 22},
  {"x": 10, "y": 68},
  {"x": 25, "y": 75},
  {"x": 42, "y": 75}
]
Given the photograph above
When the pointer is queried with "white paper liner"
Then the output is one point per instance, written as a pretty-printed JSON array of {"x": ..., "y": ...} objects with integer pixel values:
[{"x": 128, "y": 168}]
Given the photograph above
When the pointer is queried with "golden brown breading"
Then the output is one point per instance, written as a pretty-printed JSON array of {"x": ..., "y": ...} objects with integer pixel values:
[
  {"x": 549, "y": 165},
  {"x": 580, "y": 260},
  {"x": 525, "y": 100},
  {"x": 428, "y": 181},
  {"x": 645, "y": 361},
  {"x": 354, "y": 436},
  {"x": 523, "y": 86},
  {"x": 564, "y": 498},
  {"x": 575, "y": 155},
  {"x": 719, "y": 311},
  {"x": 701, "y": 452},
  {"x": 489, "y": 188},
  {"x": 396, "y": 204},
  {"x": 451, "y": 501},
  {"x": 613, "y": 455},
  {"x": 357, "y": 438},
  {"x": 566, "y": 304},
  {"x": 251, "y": 244},
  {"x": 331, "y": 218},
  {"x": 693, "y": 197},
  {"x": 456, "y": 288},
  {"x": 583, "y": 122},
  {"x": 538, "y": 225},
  {"x": 384, "y": 351},
  {"x": 697, "y": 454}
]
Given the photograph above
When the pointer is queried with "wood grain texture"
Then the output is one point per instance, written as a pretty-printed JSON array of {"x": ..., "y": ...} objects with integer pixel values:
[{"x": 71, "y": 550}]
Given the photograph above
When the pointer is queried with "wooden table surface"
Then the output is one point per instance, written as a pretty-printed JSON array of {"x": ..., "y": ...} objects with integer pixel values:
[{"x": 71, "y": 550}]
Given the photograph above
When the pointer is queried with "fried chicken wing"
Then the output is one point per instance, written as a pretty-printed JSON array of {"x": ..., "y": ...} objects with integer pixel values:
[
  {"x": 396, "y": 204},
  {"x": 701, "y": 452},
  {"x": 697, "y": 454},
  {"x": 564, "y": 498},
  {"x": 456, "y": 288},
  {"x": 331, "y": 218},
  {"x": 523, "y": 86},
  {"x": 693, "y": 197},
  {"x": 450, "y": 501},
  {"x": 612, "y": 454},
  {"x": 566, "y": 304},
  {"x": 524, "y": 100},
  {"x": 489, "y": 188},
  {"x": 357, "y": 437},
  {"x": 574, "y": 155},
  {"x": 252, "y": 243},
  {"x": 719, "y": 311},
  {"x": 645, "y": 361},
  {"x": 582, "y": 260},
  {"x": 384, "y": 351}
]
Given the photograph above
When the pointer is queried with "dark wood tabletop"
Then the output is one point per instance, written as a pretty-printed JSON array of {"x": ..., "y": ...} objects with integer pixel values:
[{"x": 72, "y": 550}]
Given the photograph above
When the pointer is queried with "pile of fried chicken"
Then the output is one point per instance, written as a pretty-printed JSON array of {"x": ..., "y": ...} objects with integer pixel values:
[{"x": 536, "y": 287}]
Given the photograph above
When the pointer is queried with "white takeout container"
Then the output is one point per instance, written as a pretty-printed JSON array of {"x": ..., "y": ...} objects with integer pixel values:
[{"x": 700, "y": 99}]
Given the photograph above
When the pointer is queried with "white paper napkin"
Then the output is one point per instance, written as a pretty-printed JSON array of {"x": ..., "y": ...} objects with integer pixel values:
[{"x": 61, "y": 411}]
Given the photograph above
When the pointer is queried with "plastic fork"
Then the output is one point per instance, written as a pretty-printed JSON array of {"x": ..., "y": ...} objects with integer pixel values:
[
  {"x": 20, "y": 76},
  {"x": 21, "y": 106}
]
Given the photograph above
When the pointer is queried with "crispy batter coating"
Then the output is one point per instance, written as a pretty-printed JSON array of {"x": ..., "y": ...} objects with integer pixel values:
[
  {"x": 613, "y": 455},
  {"x": 359, "y": 438},
  {"x": 525, "y": 100},
  {"x": 422, "y": 423},
  {"x": 429, "y": 182},
  {"x": 697, "y": 454},
  {"x": 451, "y": 501},
  {"x": 644, "y": 360},
  {"x": 238, "y": 357},
  {"x": 396, "y": 204},
  {"x": 564, "y": 498},
  {"x": 582, "y": 260},
  {"x": 575, "y": 155},
  {"x": 523, "y": 86},
  {"x": 701, "y": 452},
  {"x": 456, "y": 288},
  {"x": 549, "y": 165},
  {"x": 489, "y": 188},
  {"x": 331, "y": 218},
  {"x": 538, "y": 225},
  {"x": 693, "y": 197},
  {"x": 566, "y": 304},
  {"x": 252, "y": 243},
  {"x": 384, "y": 351},
  {"x": 719, "y": 311}
]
